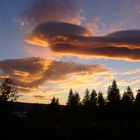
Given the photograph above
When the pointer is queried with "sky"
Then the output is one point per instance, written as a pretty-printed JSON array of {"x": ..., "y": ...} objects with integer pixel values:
[{"x": 50, "y": 46}]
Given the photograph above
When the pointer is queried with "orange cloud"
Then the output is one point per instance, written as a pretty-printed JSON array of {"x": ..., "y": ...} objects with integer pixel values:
[
  {"x": 37, "y": 40},
  {"x": 69, "y": 39},
  {"x": 28, "y": 74},
  {"x": 4, "y": 76},
  {"x": 20, "y": 73}
]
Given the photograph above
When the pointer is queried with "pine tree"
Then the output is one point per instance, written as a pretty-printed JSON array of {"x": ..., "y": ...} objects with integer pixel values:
[
  {"x": 53, "y": 108},
  {"x": 130, "y": 94},
  {"x": 137, "y": 100},
  {"x": 76, "y": 99},
  {"x": 54, "y": 101},
  {"x": 93, "y": 97},
  {"x": 86, "y": 98},
  {"x": 101, "y": 100},
  {"x": 113, "y": 94},
  {"x": 73, "y": 99},
  {"x": 109, "y": 90},
  {"x": 128, "y": 97},
  {"x": 70, "y": 98}
]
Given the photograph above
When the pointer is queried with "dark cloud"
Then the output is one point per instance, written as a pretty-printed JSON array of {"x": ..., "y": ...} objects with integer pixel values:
[
  {"x": 106, "y": 52},
  {"x": 29, "y": 73},
  {"x": 40, "y": 97},
  {"x": 123, "y": 45},
  {"x": 58, "y": 28},
  {"x": 126, "y": 34}
]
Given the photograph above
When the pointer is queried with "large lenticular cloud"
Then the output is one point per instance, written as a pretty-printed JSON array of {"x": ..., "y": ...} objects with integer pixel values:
[
  {"x": 70, "y": 39},
  {"x": 56, "y": 32},
  {"x": 29, "y": 73},
  {"x": 55, "y": 24}
]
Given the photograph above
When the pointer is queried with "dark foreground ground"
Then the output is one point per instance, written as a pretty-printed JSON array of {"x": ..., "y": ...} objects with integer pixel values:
[{"x": 28, "y": 121}]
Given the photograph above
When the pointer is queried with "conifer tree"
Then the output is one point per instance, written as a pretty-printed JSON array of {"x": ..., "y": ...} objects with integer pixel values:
[
  {"x": 137, "y": 100},
  {"x": 73, "y": 99},
  {"x": 86, "y": 98},
  {"x": 70, "y": 97},
  {"x": 76, "y": 99},
  {"x": 130, "y": 94},
  {"x": 54, "y": 101},
  {"x": 128, "y": 97},
  {"x": 93, "y": 97},
  {"x": 101, "y": 100},
  {"x": 113, "y": 94}
]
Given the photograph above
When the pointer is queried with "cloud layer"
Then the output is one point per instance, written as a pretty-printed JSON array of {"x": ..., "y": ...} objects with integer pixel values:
[
  {"x": 30, "y": 73},
  {"x": 64, "y": 38}
]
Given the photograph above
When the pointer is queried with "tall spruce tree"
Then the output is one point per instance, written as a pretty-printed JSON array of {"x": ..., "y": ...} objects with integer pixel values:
[
  {"x": 113, "y": 94},
  {"x": 76, "y": 99},
  {"x": 130, "y": 93},
  {"x": 101, "y": 100},
  {"x": 137, "y": 100},
  {"x": 86, "y": 98},
  {"x": 70, "y": 98},
  {"x": 128, "y": 97},
  {"x": 93, "y": 97}
]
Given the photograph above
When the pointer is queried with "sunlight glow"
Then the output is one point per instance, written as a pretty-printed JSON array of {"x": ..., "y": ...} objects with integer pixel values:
[{"x": 36, "y": 41}]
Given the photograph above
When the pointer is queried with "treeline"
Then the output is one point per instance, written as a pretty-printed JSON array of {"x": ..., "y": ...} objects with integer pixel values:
[
  {"x": 95, "y": 107},
  {"x": 113, "y": 117},
  {"x": 94, "y": 99},
  {"x": 94, "y": 117}
]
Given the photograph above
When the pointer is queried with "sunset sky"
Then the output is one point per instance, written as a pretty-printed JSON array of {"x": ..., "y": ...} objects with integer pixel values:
[{"x": 50, "y": 46}]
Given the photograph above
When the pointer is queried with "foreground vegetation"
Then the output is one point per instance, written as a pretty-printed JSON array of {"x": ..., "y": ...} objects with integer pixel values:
[{"x": 94, "y": 117}]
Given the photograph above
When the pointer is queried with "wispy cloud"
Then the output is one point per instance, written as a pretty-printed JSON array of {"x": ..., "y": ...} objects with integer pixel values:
[{"x": 135, "y": 71}]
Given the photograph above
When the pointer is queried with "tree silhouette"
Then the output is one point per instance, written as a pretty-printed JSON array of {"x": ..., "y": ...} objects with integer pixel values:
[
  {"x": 76, "y": 99},
  {"x": 54, "y": 101},
  {"x": 127, "y": 99},
  {"x": 113, "y": 94},
  {"x": 109, "y": 89},
  {"x": 70, "y": 98},
  {"x": 137, "y": 100},
  {"x": 130, "y": 94},
  {"x": 53, "y": 110},
  {"x": 73, "y": 99},
  {"x": 101, "y": 100},
  {"x": 7, "y": 91},
  {"x": 93, "y": 98},
  {"x": 86, "y": 99},
  {"x": 8, "y": 94},
  {"x": 114, "y": 118}
]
